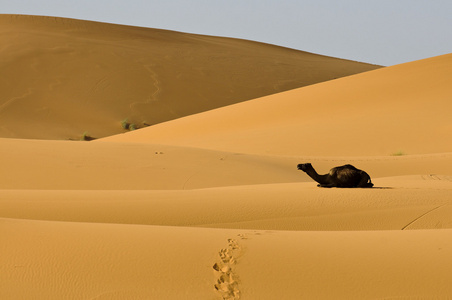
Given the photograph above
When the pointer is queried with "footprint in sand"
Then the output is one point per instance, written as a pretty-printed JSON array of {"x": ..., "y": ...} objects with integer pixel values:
[
  {"x": 226, "y": 282},
  {"x": 226, "y": 279}
]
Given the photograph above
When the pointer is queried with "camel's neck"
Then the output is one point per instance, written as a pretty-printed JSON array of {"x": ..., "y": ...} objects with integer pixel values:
[{"x": 322, "y": 179}]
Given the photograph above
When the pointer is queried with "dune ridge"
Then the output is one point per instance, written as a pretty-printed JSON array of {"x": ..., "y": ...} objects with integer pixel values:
[
  {"x": 210, "y": 204},
  {"x": 381, "y": 112},
  {"x": 69, "y": 77}
]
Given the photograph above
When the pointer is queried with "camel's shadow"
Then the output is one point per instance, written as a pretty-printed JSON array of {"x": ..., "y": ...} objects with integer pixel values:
[{"x": 358, "y": 188}]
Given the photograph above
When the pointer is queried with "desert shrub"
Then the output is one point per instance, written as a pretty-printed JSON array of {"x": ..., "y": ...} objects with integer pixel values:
[
  {"x": 87, "y": 137},
  {"x": 125, "y": 124},
  {"x": 398, "y": 153}
]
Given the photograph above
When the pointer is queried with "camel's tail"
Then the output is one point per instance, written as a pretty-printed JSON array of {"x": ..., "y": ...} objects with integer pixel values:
[{"x": 365, "y": 182}]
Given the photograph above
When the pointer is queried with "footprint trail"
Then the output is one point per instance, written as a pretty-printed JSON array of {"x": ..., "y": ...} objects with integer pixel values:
[{"x": 226, "y": 280}]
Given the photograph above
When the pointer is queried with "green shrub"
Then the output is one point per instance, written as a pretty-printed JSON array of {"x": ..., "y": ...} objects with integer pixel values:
[
  {"x": 398, "y": 153},
  {"x": 87, "y": 137},
  {"x": 125, "y": 124}
]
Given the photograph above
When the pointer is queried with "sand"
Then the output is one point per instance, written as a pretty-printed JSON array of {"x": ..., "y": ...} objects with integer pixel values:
[
  {"x": 210, "y": 204},
  {"x": 399, "y": 109},
  {"x": 61, "y": 74}
]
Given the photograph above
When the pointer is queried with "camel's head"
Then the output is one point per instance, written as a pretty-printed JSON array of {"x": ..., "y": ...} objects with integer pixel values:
[{"x": 304, "y": 167}]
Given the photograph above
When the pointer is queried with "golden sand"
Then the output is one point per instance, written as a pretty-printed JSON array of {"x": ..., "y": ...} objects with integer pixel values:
[
  {"x": 70, "y": 77},
  {"x": 211, "y": 205}
]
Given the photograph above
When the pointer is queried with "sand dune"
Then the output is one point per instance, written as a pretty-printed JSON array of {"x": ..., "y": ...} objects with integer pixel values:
[
  {"x": 66, "y": 165},
  {"x": 68, "y": 77},
  {"x": 130, "y": 258},
  {"x": 109, "y": 261},
  {"x": 284, "y": 206},
  {"x": 90, "y": 220},
  {"x": 400, "y": 108},
  {"x": 260, "y": 241},
  {"x": 211, "y": 205}
]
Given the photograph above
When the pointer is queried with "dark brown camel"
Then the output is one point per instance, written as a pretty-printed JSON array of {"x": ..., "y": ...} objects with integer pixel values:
[{"x": 343, "y": 177}]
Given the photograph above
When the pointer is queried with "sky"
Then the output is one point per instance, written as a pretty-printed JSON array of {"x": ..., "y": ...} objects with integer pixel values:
[{"x": 383, "y": 32}]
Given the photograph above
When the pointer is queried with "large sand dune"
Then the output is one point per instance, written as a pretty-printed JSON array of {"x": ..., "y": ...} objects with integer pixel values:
[
  {"x": 211, "y": 206},
  {"x": 68, "y": 77},
  {"x": 400, "y": 108}
]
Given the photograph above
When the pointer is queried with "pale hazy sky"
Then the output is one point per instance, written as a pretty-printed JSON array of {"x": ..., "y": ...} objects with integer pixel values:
[{"x": 384, "y": 32}]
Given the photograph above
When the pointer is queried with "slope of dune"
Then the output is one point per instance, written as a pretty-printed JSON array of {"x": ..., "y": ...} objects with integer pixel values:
[
  {"x": 109, "y": 261},
  {"x": 399, "y": 108},
  {"x": 283, "y": 206},
  {"x": 92, "y": 221},
  {"x": 67, "y": 165},
  {"x": 256, "y": 242},
  {"x": 64, "y": 77}
]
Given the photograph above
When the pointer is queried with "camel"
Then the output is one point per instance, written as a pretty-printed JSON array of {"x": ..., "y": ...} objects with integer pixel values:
[{"x": 342, "y": 177}]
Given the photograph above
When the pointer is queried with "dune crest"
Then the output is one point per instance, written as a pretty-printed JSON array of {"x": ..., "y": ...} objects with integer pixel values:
[
  {"x": 381, "y": 112},
  {"x": 67, "y": 77}
]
